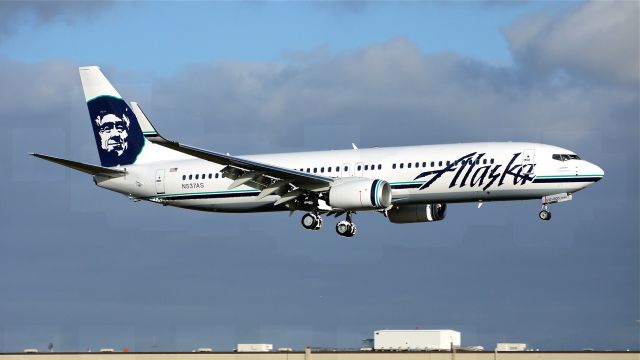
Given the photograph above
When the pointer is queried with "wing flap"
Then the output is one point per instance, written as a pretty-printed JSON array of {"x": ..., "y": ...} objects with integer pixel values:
[{"x": 85, "y": 168}]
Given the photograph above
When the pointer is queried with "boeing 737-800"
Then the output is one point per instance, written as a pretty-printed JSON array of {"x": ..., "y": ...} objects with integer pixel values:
[{"x": 406, "y": 184}]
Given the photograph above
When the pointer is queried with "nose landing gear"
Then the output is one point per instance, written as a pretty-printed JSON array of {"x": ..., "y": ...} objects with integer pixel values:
[{"x": 544, "y": 215}]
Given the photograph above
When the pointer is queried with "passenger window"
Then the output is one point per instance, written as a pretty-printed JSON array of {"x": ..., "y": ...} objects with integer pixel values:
[
  {"x": 448, "y": 163},
  {"x": 439, "y": 163},
  {"x": 393, "y": 166},
  {"x": 315, "y": 170},
  {"x": 409, "y": 165},
  {"x": 197, "y": 176},
  {"x": 322, "y": 169},
  {"x": 216, "y": 175},
  {"x": 190, "y": 177},
  {"x": 359, "y": 167},
  {"x": 433, "y": 164},
  {"x": 491, "y": 162},
  {"x": 210, "y": 175},
  {"x": 484, "y": 161},
  {"x": 424, "y": 164},
  {"x": 308, "y": 170},
  {"x": 401, "y": 165},
  {"x": 329, "y": 169},
  {"x": 379, "y": 166},
  {"x": 346, "y": 168},
  {"x": 184, "y": 177}
]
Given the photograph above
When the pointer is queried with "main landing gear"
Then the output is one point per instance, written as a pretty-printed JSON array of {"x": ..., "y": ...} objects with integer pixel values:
[
  {"x": 346, "y": 227},
  {"x": 311, "y": 221}
]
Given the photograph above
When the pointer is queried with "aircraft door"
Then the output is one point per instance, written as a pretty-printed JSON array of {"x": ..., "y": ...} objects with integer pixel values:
[
  {"x": 528, "y": 160},
  {"x": 345, "y": 170},
  {"x": 160, "y": 181}
]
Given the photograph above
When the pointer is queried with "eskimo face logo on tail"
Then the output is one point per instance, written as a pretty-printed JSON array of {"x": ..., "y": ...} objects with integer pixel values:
[
  {"x": 113, "y": 132},
  {"x": 118, "y": 135}
]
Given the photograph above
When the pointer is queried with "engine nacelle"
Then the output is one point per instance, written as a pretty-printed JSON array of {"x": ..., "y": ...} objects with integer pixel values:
[
  {"x": 360, "y": 194},
  {"x": 417, "y": 213}
]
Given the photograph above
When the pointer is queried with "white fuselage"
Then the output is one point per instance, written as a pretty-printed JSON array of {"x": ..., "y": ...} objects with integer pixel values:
[{"x": 417, "y": 174}]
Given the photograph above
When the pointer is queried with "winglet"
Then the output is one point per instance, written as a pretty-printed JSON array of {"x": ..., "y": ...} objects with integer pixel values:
[
  {"x": 354, "y": 146},
  {"x": 148, "y": 130},
  {"x": 143, "y": 120}
]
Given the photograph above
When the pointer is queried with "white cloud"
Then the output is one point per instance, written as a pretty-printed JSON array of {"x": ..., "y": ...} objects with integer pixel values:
[
  {"x": 394, "y": 94},
  {"x": 598, "y": 39}
]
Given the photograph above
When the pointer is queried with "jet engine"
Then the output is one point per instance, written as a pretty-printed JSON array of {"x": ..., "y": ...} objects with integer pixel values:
[
  {"x": 417, "y": 213},
  {"x": 360, "y": 194}
]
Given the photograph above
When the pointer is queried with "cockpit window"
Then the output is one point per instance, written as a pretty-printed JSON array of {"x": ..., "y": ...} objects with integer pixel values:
[{"x": 565, "y": 157}]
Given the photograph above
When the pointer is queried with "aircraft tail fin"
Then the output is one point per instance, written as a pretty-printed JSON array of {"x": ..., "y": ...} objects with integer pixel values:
[{"x": 115, "y": 127}]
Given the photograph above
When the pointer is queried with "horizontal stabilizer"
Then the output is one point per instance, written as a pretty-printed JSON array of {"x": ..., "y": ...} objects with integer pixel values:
[{"x": 85, "y": 168}]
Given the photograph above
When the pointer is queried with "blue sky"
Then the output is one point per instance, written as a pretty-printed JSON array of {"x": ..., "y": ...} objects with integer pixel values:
[
  {"x": 163, "y": 37},
  {"x": 84, "y": 268}
]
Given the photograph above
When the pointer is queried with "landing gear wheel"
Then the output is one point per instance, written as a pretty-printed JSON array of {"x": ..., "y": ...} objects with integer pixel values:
[
  {"x": 545, "y": 215},
  {"x": 311, "y": 221},
  {"x": 346, "y": 228}
]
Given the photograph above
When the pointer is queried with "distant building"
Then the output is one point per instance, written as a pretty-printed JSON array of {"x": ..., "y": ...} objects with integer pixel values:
[
  {"x": 415, "y": 340},
  {"x": 511, "y": 347}
]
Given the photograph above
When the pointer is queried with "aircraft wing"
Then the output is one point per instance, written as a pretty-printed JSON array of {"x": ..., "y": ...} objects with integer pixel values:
[
  {"x": 243, "y": 171},
  {"x": 86, "y": 168}
]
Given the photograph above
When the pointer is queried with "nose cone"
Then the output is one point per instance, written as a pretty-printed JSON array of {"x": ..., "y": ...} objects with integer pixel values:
[{"x": 595, "y": 171}]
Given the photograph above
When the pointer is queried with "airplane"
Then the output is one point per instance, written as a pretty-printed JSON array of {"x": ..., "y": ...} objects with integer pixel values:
[{"x": 408, "y": 184}]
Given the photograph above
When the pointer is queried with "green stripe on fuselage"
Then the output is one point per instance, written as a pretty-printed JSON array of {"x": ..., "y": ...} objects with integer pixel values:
[
  {"x": 202, "y": 193},
  {"x": 566, "y": 176}
]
